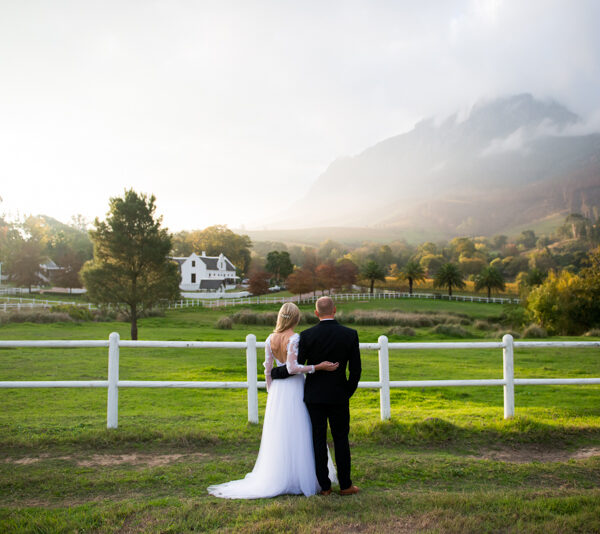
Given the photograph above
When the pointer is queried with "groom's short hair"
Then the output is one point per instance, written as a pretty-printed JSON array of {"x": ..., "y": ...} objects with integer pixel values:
[{"x": 325, "y": 306}]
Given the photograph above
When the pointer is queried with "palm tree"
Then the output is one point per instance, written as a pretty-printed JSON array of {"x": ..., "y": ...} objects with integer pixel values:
[
  {"x": 413, "y": 272},
  {"x": 449, "y": 276},
  {"x": 491, "y": 278},
  {"x": 373, "y": 271}
]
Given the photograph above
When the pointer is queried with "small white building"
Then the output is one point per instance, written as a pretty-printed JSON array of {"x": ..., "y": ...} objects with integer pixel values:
[{"x": 206, "y": 273}]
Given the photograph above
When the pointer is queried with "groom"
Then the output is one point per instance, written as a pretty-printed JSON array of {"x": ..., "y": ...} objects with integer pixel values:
[{"x": 327, "y": 394}]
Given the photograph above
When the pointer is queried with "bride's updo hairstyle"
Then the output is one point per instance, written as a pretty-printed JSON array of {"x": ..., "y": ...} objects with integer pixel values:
[{"x": 288, "y": 317}]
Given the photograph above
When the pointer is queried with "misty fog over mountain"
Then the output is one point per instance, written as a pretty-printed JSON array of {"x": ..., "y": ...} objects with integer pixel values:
[{"x": 511, "y": 161}]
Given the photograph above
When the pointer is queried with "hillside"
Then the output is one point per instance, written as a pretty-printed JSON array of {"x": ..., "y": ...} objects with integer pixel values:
[{"x": 512, "y": 162}]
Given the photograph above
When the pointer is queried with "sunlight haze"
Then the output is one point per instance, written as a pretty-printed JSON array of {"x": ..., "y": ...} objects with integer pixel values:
[{"x": 228, "y": 112}]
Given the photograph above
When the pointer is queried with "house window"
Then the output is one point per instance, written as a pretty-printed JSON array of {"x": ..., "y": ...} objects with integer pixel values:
[
  {"x": 193, "y": 278},
  {"x": 193, "y": 263}
]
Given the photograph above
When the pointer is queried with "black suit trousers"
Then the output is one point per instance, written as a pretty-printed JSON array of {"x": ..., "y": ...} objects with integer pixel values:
[{"x": 338, "y": 416}]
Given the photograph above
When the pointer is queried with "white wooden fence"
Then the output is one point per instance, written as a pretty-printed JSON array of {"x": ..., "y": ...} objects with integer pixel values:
[
  {"x": 384, "y": 384},
  {"x": 308, "y": 298},
  {"x": 21, "y": 303}
]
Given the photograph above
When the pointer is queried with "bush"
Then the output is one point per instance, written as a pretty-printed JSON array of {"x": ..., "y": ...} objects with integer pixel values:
[
  {"x": 450, "y": 330},
  {"x": 40, "y": 317},
  {"x": 259, "y": 318},
  {"x": 481, "y": 325},
  {"x": 534, "y": 330},
  {"x": 225, "y": 323},
  {"x": 594, "y": 332},
  {"x": 78, "y": 313},
  {"x": 401, "y": 331},
  {"x": 501, "y": 333}
]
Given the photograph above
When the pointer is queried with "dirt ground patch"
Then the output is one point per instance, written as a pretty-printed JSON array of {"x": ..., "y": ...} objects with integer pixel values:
[
  {"x": 536, "y": 454},
  {"x": 99, "y": 460}
]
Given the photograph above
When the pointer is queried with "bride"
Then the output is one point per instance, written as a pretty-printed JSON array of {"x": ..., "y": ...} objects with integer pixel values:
[{"x": 286, "y": 462}]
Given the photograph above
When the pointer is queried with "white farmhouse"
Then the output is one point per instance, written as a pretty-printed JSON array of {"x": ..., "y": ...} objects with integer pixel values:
[{"x": 206, "y": 273}]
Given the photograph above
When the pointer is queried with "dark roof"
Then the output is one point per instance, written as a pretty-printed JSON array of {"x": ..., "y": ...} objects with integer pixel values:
[
  {"x": 210, "y": 284},
  {"x": 211, "y": 263},
  {"x": 181, "y": 261},
  {"x": 228, "y": 265}
]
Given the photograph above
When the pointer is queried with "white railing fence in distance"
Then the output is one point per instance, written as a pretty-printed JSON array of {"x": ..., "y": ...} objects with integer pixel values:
[
  {"x": 339, "y": 297},
  {"x": 384, "y": 384}
]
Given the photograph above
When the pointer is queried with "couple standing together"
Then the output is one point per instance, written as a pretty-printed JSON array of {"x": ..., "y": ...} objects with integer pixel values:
[{"x": 293, "y": 456}]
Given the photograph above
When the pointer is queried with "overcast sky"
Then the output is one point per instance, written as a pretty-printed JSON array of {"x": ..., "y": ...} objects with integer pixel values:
[{"x": 228, "y": 110}]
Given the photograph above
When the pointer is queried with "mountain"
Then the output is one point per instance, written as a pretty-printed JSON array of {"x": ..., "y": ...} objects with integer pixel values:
[{"x": 513, "y": 161}]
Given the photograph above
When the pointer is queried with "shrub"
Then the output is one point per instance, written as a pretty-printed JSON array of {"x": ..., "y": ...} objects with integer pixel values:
[
  {"x": 401, "y": 331},
  {"x": 78, "y": 313},
  {"x": 40, "y": 317},
  {"x": 594, "y": 332},
  {"x": 225, "y": 323},
  {"x": 481, "y": 325},
  {"x": 501, "y": 333},
  {"x": 250, "y": 317},
  {"x": 450, "y": 330},
  {"x": 534, "y": 330}
]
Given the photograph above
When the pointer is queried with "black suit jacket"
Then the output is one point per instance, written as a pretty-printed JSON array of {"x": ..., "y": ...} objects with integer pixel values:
[{"x": 328, "y": 341}]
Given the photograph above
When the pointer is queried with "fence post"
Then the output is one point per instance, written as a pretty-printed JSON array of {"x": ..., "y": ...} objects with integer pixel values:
[
  {"x": 251, "y": 378},
  {"x": 112, "y": 410},
  {"x": 384, "y": 378},
  {"x": 509, "y": 376}
]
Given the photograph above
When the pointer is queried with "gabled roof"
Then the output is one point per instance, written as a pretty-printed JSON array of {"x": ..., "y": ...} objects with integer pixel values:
[
  {"x": 211, "y": 263},
  {"x": 228, "y": 265}
]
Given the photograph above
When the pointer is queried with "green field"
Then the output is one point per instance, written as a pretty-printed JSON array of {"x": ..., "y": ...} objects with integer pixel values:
[{"x": 446, "y": 462}]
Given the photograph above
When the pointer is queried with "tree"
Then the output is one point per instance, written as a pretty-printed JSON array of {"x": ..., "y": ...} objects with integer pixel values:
[
  {"x": 131, "y": 264},
  {"x": 567, "y": 303},
  {"x": 215, "y": 240},
  {"x": 413, "y": 272},
  {"x": 527, "y": 239},
  {"x": 259, "y": 283},
  {"x": 279, "y": 265},
  {"x": 24, "y": 263},
  {"x": 373, "y": 271},
  {"x": 490, "y": 278},
  {"x": 326, "y": 275},
  {"x": 346, "y": 273},
  {"x": 449, "y": 276},
  {"x": 301, "y": 281}
]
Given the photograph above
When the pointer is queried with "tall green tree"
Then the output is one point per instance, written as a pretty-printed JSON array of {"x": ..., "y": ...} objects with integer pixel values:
[
  {"x": 373, "y": 271},
  {"x": 413, "y": 272},
  {"x": 279, "y": 265},
  {"x": 490, "y": 278},
  {"x": 449, "y": 275},
  {"x": 131, "y": 264}
]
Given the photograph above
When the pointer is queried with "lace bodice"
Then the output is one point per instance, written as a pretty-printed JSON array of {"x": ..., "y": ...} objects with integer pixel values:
[{"x": 291, "y": 363}]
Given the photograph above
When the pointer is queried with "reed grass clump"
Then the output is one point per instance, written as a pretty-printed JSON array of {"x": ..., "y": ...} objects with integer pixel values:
[
  {"x": 38, "y": 316},
  {"x": 536, "y": 331},
  {"x": 406, "y": 331},
  {"x": 481, "y": 325},
  {"x": 502, "y": 332},
  {"x": 594, "y": 332},
  {"x": 225, "y": 323},
  {"x": 450, "y": 330}
]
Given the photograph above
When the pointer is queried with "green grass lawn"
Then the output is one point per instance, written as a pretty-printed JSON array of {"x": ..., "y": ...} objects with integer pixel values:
[{"x": 446, "y": 462}]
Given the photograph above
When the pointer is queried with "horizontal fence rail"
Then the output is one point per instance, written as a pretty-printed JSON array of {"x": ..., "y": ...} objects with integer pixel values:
[
  {"x": 252, "y": 384},
  {"x": 22, "y": 303},
  {"x": 310, "y": 298}
]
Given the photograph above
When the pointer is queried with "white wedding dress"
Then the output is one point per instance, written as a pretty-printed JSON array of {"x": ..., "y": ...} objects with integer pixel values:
[{"x": 286, "y": 462}]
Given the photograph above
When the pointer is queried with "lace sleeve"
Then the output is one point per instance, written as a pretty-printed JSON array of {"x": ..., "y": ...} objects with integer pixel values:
[
  {"x": 268, "y": 364},
  {"x": 292, "y": 364}
]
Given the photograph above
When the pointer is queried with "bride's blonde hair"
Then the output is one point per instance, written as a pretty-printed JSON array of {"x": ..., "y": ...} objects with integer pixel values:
[{"x": 288, "y": 317}]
